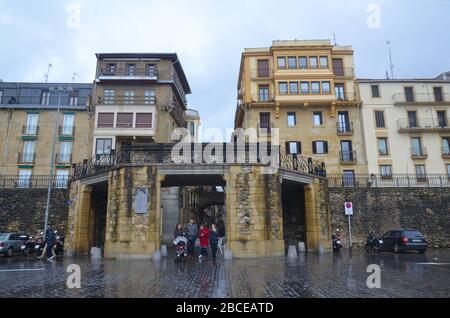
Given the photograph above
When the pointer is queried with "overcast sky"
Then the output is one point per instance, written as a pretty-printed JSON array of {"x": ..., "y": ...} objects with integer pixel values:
[{"x": 209, "y": 37}]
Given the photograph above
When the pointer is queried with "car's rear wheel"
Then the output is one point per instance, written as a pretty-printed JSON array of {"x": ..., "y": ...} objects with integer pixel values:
[
  {"x": 396, "y": 249},
  {"x": 9, "y": 252}
]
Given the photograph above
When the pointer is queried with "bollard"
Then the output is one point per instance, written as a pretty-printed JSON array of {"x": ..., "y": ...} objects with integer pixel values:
[
  {"x": 228, "y": 255},
  {"x": 302, "y": 247},
  {"x": 321, "y": 249},
  {"x": 164, "y": 251},
  {"x": 292, "y": 252},
  {"x": 157, "y": 256},
  {"x": 96, "y": 253}
]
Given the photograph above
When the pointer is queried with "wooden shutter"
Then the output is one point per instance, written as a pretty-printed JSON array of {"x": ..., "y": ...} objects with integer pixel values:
[
  {"x": 144, "y": 120},
  {"x": 125, "y": 120},
  {"x": 299, "y": 147},
  {"x": 314, "y": 147},
  {"x": 263, "y": 68},
  {"x": 325, "y": 146},
  {"x": 288, "y": 148},
  {"x": 105, "y": 120},
  {"x": 338, "y": 67}
]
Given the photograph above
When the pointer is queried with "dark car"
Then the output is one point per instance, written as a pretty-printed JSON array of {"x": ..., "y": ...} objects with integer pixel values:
[{"x": 404, "y": 240}]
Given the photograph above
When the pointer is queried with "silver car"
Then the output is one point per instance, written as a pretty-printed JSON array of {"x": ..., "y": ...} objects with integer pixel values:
[{"x": 10, "y": 243}]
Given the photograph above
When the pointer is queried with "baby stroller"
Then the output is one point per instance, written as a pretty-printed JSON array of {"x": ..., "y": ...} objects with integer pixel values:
[{"x": 180, "y": 249}]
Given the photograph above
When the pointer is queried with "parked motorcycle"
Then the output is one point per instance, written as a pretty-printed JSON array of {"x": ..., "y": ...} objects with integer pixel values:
[
  {"x": 28, "y": 246},
  {"x": 337, "y": 242},
  {"x": 180, "y": 249},
  {"x": 373, "y": 243}
]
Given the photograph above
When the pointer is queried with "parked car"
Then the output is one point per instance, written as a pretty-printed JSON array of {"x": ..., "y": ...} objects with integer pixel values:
[
  {"x": 10, "y": 243},
  {"x": 404, "y": 240}
]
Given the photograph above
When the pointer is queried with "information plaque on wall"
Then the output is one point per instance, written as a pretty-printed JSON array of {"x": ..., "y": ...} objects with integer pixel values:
[{"x": 140, "y": 201}]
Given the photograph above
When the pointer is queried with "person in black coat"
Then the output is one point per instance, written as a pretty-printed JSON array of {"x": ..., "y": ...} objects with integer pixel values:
[
  {"x": 178, "y": 231},
  {"x": 214, "y": 240}
]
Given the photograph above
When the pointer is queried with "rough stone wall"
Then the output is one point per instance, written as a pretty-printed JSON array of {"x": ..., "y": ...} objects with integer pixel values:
[
  {"x": 383, "y": 209},
  {"x": 23, "y": 210}
]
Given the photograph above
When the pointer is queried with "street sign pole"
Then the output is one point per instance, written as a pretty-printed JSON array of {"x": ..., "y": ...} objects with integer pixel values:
[
  {"x": 349, "y": 212},
  {"x": 350, "y": 231}
]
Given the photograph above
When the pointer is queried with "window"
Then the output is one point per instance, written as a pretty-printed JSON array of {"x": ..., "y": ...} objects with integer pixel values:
[
  {"x": 442, "y": 118},
  {"x": 344, "y": 122},
  {"x": 292, "y": 62},
  {"x": 386, "y": 171},
  {"x": 315, "y": 87},
  {"x": 111, "y": 68},
  {"x": 349, "y": 178},
  {"x": 448, "y": 171},
  {"x": 109, "y": 96},
  {"x": 317, "y": 119},
  {"x": 282, "y": 87},
  {"x": 312, "y": 62},
  {"x": 281, "y": 62},
  {"x": 320, "y": 147},
  {"x": 129, "y": 97},
  {"x": 412, "y": 119},
  {"x": 324, "y": 62},
  {"x": 124, "y": 120},
  {"x": 409, "y": 94},
  {"x": 416, "y": 149},
  {"x": 149, "y": 97},
  {"x": 192, "y": 128},
  {"x": 73, "y": 98},
  {"x": 263, "y": 68},
  {"x": 339, "y": 90},
  {"x": 293, "y": 88},
  {"x": 32, "y": 124},
  {"x": 347, "y": 154},
  {"x": 131, "y": 69},
  {"x": 45, "y": 98},
  {"x": 263, "y": 93},
  {"x": 438, "y": 94},
  {"x": 304, "y": 87},
  {"x": 383, "y": 147},
  {"x": 379, "y": 119},
  {"x": 65, "y": 152},
  {"x": 293, "y": 148},
  {"x": 103, "y": 146},
  {"x": 151, "y": 70},
  {"x": 68, "y": 121},
  {"x": 303, "y": 62},
  {"x": 292, "y": 119},
  {"x": 105, "y": 120},
  {"x": 375, "y": 90},
  {"x": 28, "y": 151},
  {"x": 1, "y": 97},
  {"x": 144, "y": 120},
  {"x": 62, "y": 178},
  {"x": 446, "y": 146},
  {"x": 24, "y": 178},
  {"x": 338, "y": 67},
  {"x": 421, "y": 174},
  {"x": 326, "y": 88}
]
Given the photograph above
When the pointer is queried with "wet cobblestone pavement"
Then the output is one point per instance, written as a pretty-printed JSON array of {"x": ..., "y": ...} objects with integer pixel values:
[{"x": 311, "y": 275}]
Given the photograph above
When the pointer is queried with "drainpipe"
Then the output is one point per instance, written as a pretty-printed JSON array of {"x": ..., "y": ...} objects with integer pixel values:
[{"x": 5, "y": 151}]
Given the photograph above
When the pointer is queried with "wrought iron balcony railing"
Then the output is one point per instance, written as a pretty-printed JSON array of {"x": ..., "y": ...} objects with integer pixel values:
[
  {"x": 123, "y": 72},
  {"x": 445, "y": 152},
  {"x": 388, "y": 181},
  {"x": 37, "y": 99},
  {"x": 421, "y": 98},
  {"x": 262, "y": 74},
  {"x": 26, "y": 158},
  {"x": 344, "y": 71},
  {"x": 126, "y": 100},
  {"x": 347, "y": 157},
  {"x": 63, "y": 159},
  {"x": 422, "y": 124},
  {"x": 66, "y": 130},
  {"x": 263, "y": 98},
  {"x": 344, "y": 128},
  {"x": 33, "y": 182},
  {"x": 30, "y": 130},
  {"x": 265, "y": 129},
  {"x": 419, "y": 153}
]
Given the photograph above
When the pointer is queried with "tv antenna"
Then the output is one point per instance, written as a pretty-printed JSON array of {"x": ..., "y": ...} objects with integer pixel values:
[
  {"x": 73, "y": 78},
  {"x": 46, "y": 75},
  {"x": 391, "y": 65},
  {"x": 334, "y": 39}
]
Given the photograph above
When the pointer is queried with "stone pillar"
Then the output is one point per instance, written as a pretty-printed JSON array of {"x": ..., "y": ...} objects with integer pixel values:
[
  {"x": 82, "y": 220},
  {"x": 312, "y": 218},
  {"x": 159, "y": 217}
]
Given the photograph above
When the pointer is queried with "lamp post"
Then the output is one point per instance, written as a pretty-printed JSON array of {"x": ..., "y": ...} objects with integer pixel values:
[{"x": 60, "y": 91}]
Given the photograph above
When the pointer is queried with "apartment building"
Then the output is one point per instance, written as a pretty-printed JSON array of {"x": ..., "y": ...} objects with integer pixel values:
[
  {"x": 138, "y": 98},
  {"x": 306, "y": 89},
  {"x": 30, "y": 123},
  {"x": 406, "y": 125}
]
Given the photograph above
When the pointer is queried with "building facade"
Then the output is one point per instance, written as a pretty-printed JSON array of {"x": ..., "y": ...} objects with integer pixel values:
[
  {"x": 406, "y": 125},
  {"x": 30, "y": 124},
  {"x": 307, "y": 90},
  {"x": 138, "y": 98}
]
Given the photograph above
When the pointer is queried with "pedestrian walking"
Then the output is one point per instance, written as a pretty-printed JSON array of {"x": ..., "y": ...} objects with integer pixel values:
[
  {"x": 50, "y": 241},
  {"x": 204, "y": 242},
  {"x": 191, "y": 235},
  {"x": 214, "y": 240}
]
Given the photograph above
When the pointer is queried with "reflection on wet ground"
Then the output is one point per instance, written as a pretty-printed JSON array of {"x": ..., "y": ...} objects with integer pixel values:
[{"x": 311, "y": 275}]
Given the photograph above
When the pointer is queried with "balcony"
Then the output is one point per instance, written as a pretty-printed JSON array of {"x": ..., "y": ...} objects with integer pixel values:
[
  {"x": 263, "y": 98},
  {"x": 30, "y": 130},
  {"x": 344, "y": 128},
  {"x": 344, "y": 72},
  {"x": 406, "y": 125},
  {"x": 126, "y": 100},
  {"x": 125, "y": 74},
  {"x": 419, "y": 153},
  {"x": 26, "y": 158},
  {"x": 445, "y": 152},
  {"x": 265, "y": 129},
  {"x": 36, "y": 101},
  {"x": 425, "y": 99},
  {"x": 63, "y": 159},
  {"x": 347, "y": 157},
  {"x": 66, "y": 131},
  {"x": 261, "y": 74}
]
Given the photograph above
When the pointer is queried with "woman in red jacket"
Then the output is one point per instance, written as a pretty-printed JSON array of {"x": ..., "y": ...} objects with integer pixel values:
[{"x": 204, "y": 241}]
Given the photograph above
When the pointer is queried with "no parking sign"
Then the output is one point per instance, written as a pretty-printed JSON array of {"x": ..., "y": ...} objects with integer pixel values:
[{"x": 348, "y": 208}]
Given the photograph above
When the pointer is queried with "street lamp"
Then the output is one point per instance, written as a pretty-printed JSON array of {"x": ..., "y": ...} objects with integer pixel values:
[{"x": 60, "y": 91}]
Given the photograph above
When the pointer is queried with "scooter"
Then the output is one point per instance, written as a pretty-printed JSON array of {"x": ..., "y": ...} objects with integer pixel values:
[
  {"x": 28, "y": 246},
  {"x": 337, "y": 243},
  {"x": 373, "y": 243},
  {"x": 180, "y": 249}
]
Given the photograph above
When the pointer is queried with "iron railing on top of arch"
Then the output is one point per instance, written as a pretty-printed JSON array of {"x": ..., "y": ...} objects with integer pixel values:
[
  {"x": 162, "y": 153},
  {"x": 388, "y": 181}
]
